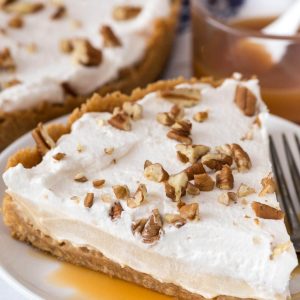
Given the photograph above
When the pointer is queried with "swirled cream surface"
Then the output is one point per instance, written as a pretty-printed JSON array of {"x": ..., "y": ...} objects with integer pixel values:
[
  {"x": 226, "y": 252},
  {"x": 40, "y": 65}
]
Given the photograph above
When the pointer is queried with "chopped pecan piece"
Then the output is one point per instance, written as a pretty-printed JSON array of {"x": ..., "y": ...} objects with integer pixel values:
[
  {"x": 59, "y": 156},
  {"x": 216, "y": 161},
  {"x": 194, "y": 169},
  {"x": 227, "y": 197},
  {"x": 6, "y": 61},
  {"x": 133, "y": 110},
  {"x": 121, "y": 191},
  {"x": 66, "y": 46},
  {"x": 180, "y": 131},
  {"x": 138, "y": 226},
  {"x": 98, "y": 183},
  {"x": 23, "y": 8},
  {"x": 126, "y": 12},
  {"x": 192, "y": 189},
  {"x": 153, "y": 228},
  {"x": 165, "y": 119},
  {"x": 109, "y": 37},
  {"x": 175, "y": 220},
  {"x": 241, "y": 158},
  {"x": 176, "y": 186},
  {"x": 189, "y": 211},
  {"x": 85, "y": 54},
  {"x": 120, "y": 121},
  {"x": 60, "y": 12},
  {"x": 89, "y": 200},
  {"x": 204, "y": 182},
  {"x": 155, "y": 172},
  {"x": 245, "y": 190},
  {"x": 115, "y": 211},
  {"x": 43, "y": 140},
  {"x": 224, "y": 149},
  {"x": 268, "y": 186},
  {"x": 192, "y": 152},
  {"x": 200, "y": 116},
  {"x": 15, "y": 22},
  {"x": 183, "y": 97},
  {"x": 224, "y": 178},
  {"x": 138, "y": 197},
  {"x": 80, "y": 178},
  {"x": 265, "y": 211},
  {"x": 109, "y": 150},
  {"x": 245, "y": 100}
]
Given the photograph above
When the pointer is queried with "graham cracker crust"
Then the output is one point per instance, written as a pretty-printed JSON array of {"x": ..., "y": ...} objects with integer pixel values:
[{"x": 16, "y": 123}]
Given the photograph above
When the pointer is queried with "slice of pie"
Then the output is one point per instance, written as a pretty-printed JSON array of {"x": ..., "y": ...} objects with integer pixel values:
[
  {"x": 170, "y": 188},
  {"x": 55, "y": 54}
]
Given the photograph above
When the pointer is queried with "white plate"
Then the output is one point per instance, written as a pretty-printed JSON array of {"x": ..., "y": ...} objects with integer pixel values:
[{"x": 28, "y": 272}]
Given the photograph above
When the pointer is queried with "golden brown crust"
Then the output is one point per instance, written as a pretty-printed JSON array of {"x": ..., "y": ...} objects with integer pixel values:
[
  {"x": 92, "y": 259},
  {"x": 14, "y": 124}
]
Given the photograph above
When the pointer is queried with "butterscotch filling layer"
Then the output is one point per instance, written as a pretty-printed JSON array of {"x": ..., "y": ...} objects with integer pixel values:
[{"x": 183, "y": 193}]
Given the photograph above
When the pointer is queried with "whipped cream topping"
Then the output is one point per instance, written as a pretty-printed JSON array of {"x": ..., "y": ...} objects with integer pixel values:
[
  {"x": 224, "y": 253},
  {"x": 42, "y": 71}
]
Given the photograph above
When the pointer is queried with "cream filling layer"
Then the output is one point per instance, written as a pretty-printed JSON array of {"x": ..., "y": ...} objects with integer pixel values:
[
  {"x": 43, "y": 71},
  {"x": 223, "y": 245}
]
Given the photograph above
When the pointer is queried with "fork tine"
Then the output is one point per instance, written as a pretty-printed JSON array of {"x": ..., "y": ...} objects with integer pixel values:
[
  {"x": 292, "y": 166},
  {"x": 297, "y": 142},
  {"x": 283, "y": 191}
]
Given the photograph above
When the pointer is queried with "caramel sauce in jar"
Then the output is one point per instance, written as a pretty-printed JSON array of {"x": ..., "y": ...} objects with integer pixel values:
[{"x": 221, "y": 49}]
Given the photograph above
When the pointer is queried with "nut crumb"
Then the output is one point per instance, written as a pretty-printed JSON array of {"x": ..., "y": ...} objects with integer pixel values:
[
  {"x": 60, "y": 12},
  {"x": 245, "y": 190},
  {"x": 268, "y": 186},
  {"x": 174, "y": 219},
  {"x": 120, "y": 121},
  {"x": 133, "y": 110},
  {"x": 6, "y": 60},
  {"x": 80, "y": 178},
  {"x": 227, "y": 197},
  {"x": 125, "y": 12},
  {"x": 183, "y": 97},
  {"x": 115, "y": 211},
  {"x": 200, "y": 116},
  {"x": 59, "y": 156},
  {"x": 98, "y": 183},
  {"x": 89, "y": 200},
  {"x": 109, "y": 37},
  {"x": 16, "y": 22},
  {"x": 43, "y": 140},
  {"x": 109, "y": 150}
]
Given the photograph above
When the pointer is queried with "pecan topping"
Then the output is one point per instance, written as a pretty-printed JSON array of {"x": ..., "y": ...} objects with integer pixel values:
[
  {"x": 241, "y": 158},
  {"x": 109, "y": 37},
  {"x": 184, "y": 97},
  {"x": 147, "y": 163},
  {"x": 177, "y": 112},
  {"x": 175, "y": 220},
  {"x": 85, "y": 54},
  {"x": 200, "y": 116},
  {"x": 126, "y": 12},
  {"x": 269, "y": 186},
  {"x": 224, "y": 149},
  {"x": 10, "y": 83},
  {"x": 120, "y": 121},
  {"x": 194, "y": 169},
  {"x": 16, "y": 22},
  {"x": 66, "y": 46},
  {"x": 133, "y": 110},
  {"x": 245, "y": 100},
  {"x": 153, "y": 228},
  {"x": 189, "y": 211},
  {"x": 23, "y": 8},
  {"x": 216, "y": 161},
  {"x": 138, "y": 226},
  {"x": 224, "y": 178},
  {"x": 116, "y": 211},
  {"x": 227, "y": 197},
  {"x": 43, "y": 140},
  {"x": 138, "y": 197},
  {"x": 180, "y": 131},
  {"x": 98, "y": 183},
  {"x": 6, "y": 61},
  {"x": 204, "y": 182},
  {"x": 109, "y": 150},
  {"x": 80, "y": 178},
  {"x": 265, "y": 211},
  {"x": 59, "y": 156},
  {"x": 107, "y": 198},
  {"x": 165, "y": 119},
  {"x": 176, "y": 186},
  {"x": 192, "y": 189},
  {"x": 155, "y": 172},
  {"x": 121, "y": 191},
  {"x": 89, "y": 200},
  {"x": 192, "y": 152},
  {"x": 245, "y": 190},
  {"x": 60, "y": 12}
]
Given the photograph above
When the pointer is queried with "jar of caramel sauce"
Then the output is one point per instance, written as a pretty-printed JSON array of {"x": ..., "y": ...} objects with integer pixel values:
[{"x": 221, "y": 47}]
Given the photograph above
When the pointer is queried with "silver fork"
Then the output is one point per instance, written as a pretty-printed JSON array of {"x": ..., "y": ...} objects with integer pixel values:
[{"x": 283, "y": 192}]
